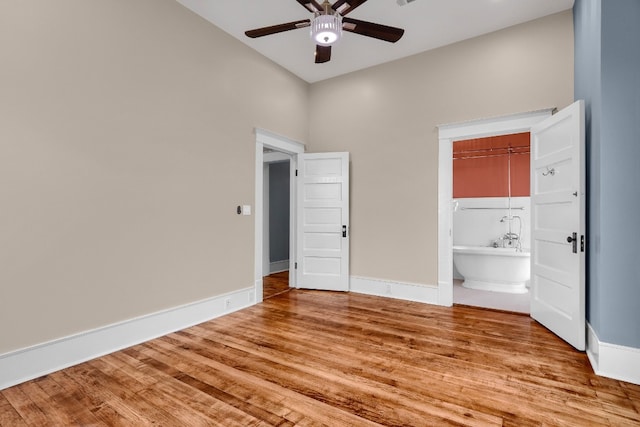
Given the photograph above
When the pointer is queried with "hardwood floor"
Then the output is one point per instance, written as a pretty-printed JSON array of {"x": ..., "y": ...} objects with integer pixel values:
[
  {"x": 275, "y": 284},
  {"x": 313, "y": 358}
]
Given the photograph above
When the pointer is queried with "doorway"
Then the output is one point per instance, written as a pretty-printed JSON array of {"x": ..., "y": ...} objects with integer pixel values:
[
  {"x": 276, "y": 220},
  {"x": 319, "y": 215},
  {"x": 289, "y": 148},
  {"x": 491, "y": 222},
  {"x": 447, "y": 135}
]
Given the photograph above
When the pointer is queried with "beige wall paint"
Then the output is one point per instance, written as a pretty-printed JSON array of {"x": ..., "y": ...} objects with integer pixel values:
[
  {"x": 126, "y": 142},
  {"x": 387, "y": 119}
]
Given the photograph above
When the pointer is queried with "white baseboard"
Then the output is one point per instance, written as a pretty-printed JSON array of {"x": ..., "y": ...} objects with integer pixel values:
[
  {"x": 278, "y": 266},
  {"x": 445, "y": 294},
  {"x": 384, "y": 288},
  {"x": 612, "y": 360},
  {"x": 32, "y": 362}
]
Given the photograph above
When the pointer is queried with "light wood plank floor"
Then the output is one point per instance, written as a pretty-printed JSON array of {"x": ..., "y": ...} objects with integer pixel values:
[
  {"x": 312, "y": 358},
  {"x": 275, "y": 284}
]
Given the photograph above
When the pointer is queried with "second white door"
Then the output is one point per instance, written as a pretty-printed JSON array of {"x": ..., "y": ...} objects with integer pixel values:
[
  {"x": 322, "y": 260},
  {"x": 558, "y": 224}
]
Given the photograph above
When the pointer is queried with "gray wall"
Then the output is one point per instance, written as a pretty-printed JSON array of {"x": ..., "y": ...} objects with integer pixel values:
[
  {"x": 607, "y": 77},
  {"x": 279, "y": 211}
]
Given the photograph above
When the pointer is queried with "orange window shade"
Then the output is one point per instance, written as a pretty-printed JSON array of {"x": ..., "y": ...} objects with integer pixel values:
[{"x": 481, "y": 166}]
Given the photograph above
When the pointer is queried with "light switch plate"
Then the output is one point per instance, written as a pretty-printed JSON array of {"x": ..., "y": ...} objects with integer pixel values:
[{"x": 246, "y": 209}]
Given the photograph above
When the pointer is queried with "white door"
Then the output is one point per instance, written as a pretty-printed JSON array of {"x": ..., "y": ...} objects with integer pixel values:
[
  {"x": 558, "y": 224},
  {"x": 322, "y": 260}
]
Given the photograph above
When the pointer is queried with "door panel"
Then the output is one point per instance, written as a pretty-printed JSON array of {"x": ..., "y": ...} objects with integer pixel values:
[
  {"x": 558, "y": 211},
  {"x": 549, "y": 216},
  {"x": 323, "y": 191},
  {"x": 319, "y": 217},
  {"x": 323, "y": 241},
  {"x": 323, "y": 225}
]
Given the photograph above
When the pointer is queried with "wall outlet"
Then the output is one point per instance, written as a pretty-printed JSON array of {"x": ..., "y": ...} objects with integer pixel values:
[
  {"x": 388, "y": 289},
  {"x": 227, "y": 303}
]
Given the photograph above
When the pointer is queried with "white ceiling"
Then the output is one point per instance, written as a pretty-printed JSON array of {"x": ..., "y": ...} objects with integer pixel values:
[{"x": 428, "y": 24}]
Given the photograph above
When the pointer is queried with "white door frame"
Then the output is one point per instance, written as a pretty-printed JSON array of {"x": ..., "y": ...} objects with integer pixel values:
[
  {"x": 447, "y": 135},
  {"x": 285, "y": 145}
]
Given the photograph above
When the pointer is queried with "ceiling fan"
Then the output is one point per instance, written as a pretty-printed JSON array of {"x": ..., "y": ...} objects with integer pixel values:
[{"x": 327, "y": 24}]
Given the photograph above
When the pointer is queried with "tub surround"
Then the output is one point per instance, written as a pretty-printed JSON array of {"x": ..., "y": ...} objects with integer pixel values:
[{"x": 476, "y": 222}]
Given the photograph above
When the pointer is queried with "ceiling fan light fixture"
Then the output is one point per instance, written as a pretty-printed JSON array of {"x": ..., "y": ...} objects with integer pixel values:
[{"x": 326, "y": 29}]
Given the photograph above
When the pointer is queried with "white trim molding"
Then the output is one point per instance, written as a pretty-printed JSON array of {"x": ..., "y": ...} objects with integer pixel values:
[
  {"x": 384, "y": 288},
  {"x": 612, "y": 360},
  {"x": 42, "y": 359},
  {"x": 279, "y": 142},
  {"x": 291, "y": 148},
  {"x": 492, "y": 126}
]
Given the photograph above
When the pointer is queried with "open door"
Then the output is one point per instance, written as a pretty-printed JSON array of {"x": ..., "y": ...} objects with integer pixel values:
[
  {"x": 558, "y": 224},
  {"x": 322, "y": 260}
]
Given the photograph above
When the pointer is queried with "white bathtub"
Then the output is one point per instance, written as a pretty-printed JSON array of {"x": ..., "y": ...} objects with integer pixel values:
[{"x": 493, "y": 269}]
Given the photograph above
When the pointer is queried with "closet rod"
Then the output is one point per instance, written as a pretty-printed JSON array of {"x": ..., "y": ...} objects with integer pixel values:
[
  {"x": 488, "y": 150},
  {"x": 484, "y": 157}
]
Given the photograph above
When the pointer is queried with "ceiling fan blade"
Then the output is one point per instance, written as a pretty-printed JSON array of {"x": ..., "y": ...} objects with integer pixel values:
[
  {"x": 345, "y": 6},
  {"x": 323, "y": 54},
  {"x": 369, "y": 29},
  {"x": 265, "y": 31},
  {"x": 311, "y": 5}
]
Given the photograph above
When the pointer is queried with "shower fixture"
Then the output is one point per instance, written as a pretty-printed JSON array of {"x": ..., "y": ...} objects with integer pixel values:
[{"x": 507, "y": 241}]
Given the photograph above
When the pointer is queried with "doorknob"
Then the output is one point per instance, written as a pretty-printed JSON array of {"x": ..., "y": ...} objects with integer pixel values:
[{"x": 573, "y": 239}]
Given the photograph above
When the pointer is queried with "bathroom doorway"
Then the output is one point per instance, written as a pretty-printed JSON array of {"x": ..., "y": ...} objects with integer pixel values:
[
  {"x": 491, "y": 222},
  {"x": 448, "y": 135}
]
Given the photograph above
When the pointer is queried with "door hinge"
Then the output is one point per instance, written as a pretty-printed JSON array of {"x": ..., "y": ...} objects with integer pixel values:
[
  {"x": 296, "y": 172},
  {"x": 295, "y": 266},
  {"x": 582, "y": 243}
]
